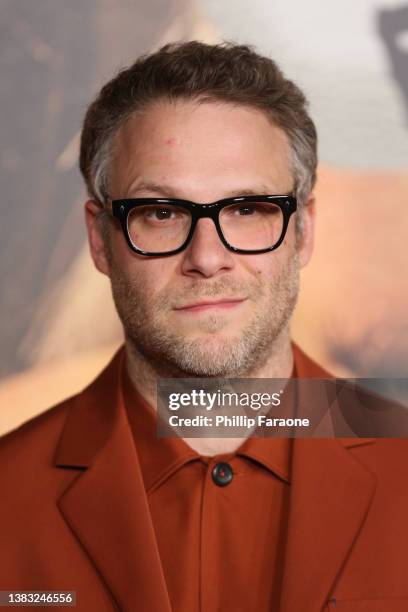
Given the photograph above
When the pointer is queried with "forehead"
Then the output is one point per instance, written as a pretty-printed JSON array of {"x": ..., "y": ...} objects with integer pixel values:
[{"x": 189, "y": 142}]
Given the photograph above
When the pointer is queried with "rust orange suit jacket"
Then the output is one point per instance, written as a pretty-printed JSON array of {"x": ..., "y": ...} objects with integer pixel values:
[{"x": 74, "y": 514}]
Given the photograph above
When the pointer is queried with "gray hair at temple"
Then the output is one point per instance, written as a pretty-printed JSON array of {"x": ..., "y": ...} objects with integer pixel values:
[{"x": 197, "y": 71}]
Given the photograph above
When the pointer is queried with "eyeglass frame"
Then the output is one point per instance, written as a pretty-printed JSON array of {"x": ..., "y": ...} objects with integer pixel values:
[{"x": 122, "y": 207}]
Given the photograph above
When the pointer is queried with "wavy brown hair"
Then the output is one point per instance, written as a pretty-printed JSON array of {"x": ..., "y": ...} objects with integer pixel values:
[{"x": 197, "y": 71}]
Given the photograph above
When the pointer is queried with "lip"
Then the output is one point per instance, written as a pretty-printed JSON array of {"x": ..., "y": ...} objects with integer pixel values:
[{"x": 225, "y": 304}]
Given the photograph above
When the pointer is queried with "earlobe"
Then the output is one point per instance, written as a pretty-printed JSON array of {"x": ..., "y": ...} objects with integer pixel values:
[
  {"x": 96, "y": 239},
  {"x": 307, "y": 238}
]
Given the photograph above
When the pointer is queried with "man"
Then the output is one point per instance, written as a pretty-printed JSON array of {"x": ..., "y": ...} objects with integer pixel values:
[{"x": 200, "y": 163}]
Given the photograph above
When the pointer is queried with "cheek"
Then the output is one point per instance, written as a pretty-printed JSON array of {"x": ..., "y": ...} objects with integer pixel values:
[
  {"x": 146, "y": 272},
  {"x": 264, "y": 268},
  {"x": 151, "y": 276}
]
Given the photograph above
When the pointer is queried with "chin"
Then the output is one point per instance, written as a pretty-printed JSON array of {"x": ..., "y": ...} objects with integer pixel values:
[
  {"x": 222, "y": 355},
  {"x": 213, "y": 339}
]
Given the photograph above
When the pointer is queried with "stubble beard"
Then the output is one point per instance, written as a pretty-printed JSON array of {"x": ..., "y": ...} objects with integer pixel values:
[{"x": 149, "y": 336}]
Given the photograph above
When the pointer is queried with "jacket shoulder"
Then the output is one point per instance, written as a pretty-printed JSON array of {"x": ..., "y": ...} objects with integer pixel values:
[
  {"x": 306, "y": 367},
  {"x": 33, "y": 444},
  {"x": 34, "y": 434},
  {"x": 49, "y": 424}
]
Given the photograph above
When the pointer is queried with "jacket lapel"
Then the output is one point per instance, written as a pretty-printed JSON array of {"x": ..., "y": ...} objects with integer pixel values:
[
  {"x": 106, "y": 505},
  {"x": 330, "y": 497},
  {"x": 331, "y": 493}
]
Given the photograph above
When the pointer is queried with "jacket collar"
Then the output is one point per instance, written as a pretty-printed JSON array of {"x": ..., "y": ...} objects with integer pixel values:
[
  {"x": 106, "y": 507},
  {"x": 306, "y": 369},
  {"x": 93, "y": 416}
]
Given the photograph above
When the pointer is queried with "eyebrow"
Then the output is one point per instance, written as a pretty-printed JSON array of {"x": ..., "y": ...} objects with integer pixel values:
[{"x": 166, "y": 191}]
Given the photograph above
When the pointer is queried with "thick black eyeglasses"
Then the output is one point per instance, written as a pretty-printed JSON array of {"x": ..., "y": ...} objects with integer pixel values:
[{"x": 165, "y": 226}]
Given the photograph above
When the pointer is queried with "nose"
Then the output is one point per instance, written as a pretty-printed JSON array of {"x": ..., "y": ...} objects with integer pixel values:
[{"x": 206, "y": 255}]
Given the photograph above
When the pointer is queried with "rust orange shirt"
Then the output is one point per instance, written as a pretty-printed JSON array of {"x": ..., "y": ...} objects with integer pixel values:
[{"x": 221, "y": 547}]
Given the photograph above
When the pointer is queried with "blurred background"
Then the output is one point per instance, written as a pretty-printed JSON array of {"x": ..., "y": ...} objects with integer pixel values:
[{"x": 58, "y": 324}]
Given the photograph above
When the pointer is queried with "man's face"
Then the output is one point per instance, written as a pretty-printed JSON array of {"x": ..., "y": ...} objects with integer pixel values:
[{"x": 205, "y": 311}]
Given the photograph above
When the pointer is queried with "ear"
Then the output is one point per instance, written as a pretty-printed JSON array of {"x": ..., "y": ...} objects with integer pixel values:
[
  {"x": 97, "y": 245},
  {"x": 307, "y": 238}
]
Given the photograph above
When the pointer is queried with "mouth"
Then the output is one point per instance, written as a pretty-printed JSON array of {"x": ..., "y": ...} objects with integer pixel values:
[{"x": 222, "y": 304}]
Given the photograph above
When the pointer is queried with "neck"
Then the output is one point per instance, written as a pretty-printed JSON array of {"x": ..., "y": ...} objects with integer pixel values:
[{"x": 144, "y": 375}]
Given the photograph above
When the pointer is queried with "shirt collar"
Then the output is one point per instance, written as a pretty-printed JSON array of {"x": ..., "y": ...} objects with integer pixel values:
[
  {"x": 161, "y": 457},
  {"x": 274, "y": 453}
]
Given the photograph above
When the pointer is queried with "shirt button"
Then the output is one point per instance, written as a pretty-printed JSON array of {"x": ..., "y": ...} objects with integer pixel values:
[{"x": 222, "y": 474}]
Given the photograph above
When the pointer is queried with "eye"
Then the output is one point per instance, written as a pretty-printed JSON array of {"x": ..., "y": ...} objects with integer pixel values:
[
  {"x": 160, "y": 214},
  {"x": 246, "y": 209}
]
